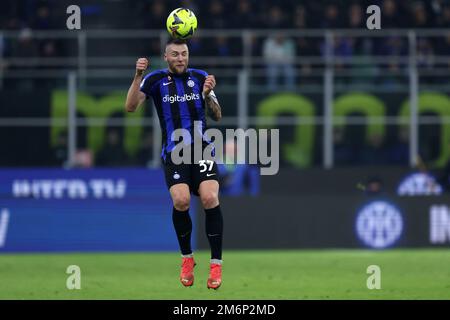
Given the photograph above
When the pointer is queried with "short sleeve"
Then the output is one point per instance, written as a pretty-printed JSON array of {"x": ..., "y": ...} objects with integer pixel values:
[
  {"x": 200, "y": 75},
  {"x": 148, "y": 83},
  {"x": 146, "y": 87}
]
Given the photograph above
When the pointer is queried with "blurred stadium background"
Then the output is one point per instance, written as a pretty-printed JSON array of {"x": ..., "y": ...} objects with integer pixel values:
[{"x": 364, "y": 119}]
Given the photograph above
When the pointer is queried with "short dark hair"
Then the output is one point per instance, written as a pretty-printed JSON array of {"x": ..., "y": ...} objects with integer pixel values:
[{"x": 176, "y": 41}]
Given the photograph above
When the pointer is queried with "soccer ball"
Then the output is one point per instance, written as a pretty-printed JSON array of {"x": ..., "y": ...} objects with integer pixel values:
[{"x": 181, "y": 23}]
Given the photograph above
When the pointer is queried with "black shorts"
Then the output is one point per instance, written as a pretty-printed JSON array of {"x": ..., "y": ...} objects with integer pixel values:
[{"x": 191, "y": 174}]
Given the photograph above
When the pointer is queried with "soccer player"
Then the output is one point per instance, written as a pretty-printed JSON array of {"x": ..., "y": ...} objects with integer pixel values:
[{"x": 181, "y": 96}]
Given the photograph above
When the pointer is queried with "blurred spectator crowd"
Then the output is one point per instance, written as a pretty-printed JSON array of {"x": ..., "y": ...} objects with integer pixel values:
[
  {"x": 29, "y": 15},
  {"x": 278, "y": 52},
  {"x": 291, "y": 14},
  {"x": 231, "y": 14}
]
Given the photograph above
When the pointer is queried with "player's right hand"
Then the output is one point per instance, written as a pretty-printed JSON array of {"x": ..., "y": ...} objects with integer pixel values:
[{"x": 141, "y": 65}]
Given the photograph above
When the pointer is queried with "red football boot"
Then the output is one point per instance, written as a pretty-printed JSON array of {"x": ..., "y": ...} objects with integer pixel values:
[
  {"x": 215, "y": 276},
  {"x": 187, "y": 272}
]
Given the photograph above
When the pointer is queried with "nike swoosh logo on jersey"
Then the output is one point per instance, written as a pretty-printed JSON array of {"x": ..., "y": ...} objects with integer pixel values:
[
  {"x": 210, "y": 174},
  {"x": 167, "y": 83}
]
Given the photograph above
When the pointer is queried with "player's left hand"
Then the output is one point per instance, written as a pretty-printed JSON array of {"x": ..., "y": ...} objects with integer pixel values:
[{"x": 210, "y": 83}]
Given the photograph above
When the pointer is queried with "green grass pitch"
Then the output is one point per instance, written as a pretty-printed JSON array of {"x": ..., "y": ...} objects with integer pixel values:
[{"x": 296, "y": 274}]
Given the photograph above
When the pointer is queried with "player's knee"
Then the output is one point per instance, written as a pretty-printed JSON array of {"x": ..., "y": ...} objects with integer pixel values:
[
  {"x": 209, "y": 199},
  {"x": 181, "y": 201}
]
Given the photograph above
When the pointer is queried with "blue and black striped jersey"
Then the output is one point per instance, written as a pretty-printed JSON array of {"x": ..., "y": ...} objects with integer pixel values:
[{"x": 178, "y": 101}]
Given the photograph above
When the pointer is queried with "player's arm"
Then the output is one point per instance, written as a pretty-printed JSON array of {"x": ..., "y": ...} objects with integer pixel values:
[
  {"x": 135, "y": 96},
  {"x": 212, "y": 104}
]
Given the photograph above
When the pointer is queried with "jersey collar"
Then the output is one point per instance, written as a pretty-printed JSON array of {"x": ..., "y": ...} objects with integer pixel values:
[{"x": 184, "y": 75}]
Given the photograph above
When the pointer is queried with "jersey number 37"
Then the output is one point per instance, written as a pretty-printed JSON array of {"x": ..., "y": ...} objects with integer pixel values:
[{"x": 204, "y": 165}]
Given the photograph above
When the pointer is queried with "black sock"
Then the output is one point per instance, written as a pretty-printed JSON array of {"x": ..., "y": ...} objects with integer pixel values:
[
  {"x": 214, "y": 231},
  {"x": 183, "y": 228}
]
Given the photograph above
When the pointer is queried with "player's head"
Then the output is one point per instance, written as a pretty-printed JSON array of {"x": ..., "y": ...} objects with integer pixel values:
[{"x": 177, "y": 56}]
